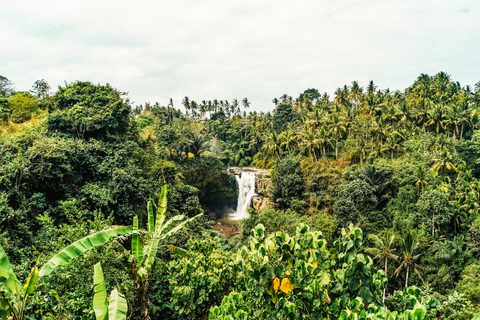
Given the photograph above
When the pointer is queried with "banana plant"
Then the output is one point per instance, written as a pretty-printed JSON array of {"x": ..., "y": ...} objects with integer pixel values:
[
  {"x": 79, "y": 247},
  {"x": 14, "y": 296},
  {"x": 158, "y": 229},
  {"x": 114, "y": 308}
]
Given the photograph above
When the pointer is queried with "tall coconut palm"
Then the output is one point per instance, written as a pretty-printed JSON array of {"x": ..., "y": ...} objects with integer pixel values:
[
  {"x": 309, "y": 143},
  {"x": 288, "y": 139},
  {"x": 409, "y": 258},
  {"x": 392, "y": 145},
  {"x": 443, "y": 162},
  {"x": 322, "y": 136},
  {"x": 186, "y": 104},
  {"x": 356, "y": 94},
  {"x": 272, "y": 144},
  {"x": 421, "y": 177},
  {"x": 383, "y": 250},
  {"x": 342, "y": 96},
  {"x": 337, "y": 125}
]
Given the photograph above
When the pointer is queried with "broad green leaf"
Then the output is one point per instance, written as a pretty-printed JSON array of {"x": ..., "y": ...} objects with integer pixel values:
[
  {"x": 117, "y": 308},
  {"x": 9, "y": 281},
  {"x": 4, "y": 262},
  {"x": 32, "y": 279},
  {"x": 477, "y": 316},
  {"x": 162, "y": 208},
  {"x": 165, "y": 234},
  {"x": 77, "y": 248},
  {"x": 137, "y": 245},
  {"x": 135, "y": 223},
  {"x": 151, "y": 253},
  {"x": 7, "y": 277},
  {"x": 100, "y": 303},
  {"x": 151, "y": 223}
]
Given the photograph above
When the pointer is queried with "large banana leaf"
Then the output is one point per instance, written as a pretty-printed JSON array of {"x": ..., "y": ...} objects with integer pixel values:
[
  {"x": 117, "y": 308},
  {"x": 162, "y": 233},
  {"x": 4, "y": 262},
  {"x": 162, "y": 208},
  {"x": 137, "y": 245},
  {"x": 7, "y": 277},
  {"x": 166, "y": 232},
  {"x": 9, "y": 281},
  {"x": 100, "y": 303},
  {"x": 151, "y": 223},
  {"x": 79, "y": 247},
  {"x": 32, "y": 279}
]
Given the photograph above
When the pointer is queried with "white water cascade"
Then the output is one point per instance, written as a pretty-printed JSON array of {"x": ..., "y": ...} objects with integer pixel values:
[{"x": 246, "y": 190}]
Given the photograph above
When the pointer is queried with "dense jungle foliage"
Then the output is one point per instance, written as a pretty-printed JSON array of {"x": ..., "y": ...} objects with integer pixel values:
[{"x": 373, "y": 208}]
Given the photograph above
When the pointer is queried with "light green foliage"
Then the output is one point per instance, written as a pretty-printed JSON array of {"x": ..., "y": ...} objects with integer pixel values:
[
  {"x": 470, "y": 283},
  {"x": 23, "y": 105},
  {"x": 116, "y": 308},
  {"x": 457, "y": 307},
  {"x": 433, "y": 205},
  {"x": 287, "y": 221},
  {"x": 199, "y": 279},
  {"x": 282, "y": 276},
  {"x": 14, "y": 297}
]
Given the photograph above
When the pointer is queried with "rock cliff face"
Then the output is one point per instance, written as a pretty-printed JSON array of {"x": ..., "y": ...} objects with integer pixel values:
[{"x": 262, "y": 185}]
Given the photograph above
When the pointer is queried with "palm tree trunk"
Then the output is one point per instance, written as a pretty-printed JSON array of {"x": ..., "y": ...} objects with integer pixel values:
[
  {"x": 384, "y": 289},
  {"x": 336, "y": 149},
  {"x": 406, "y": 279}
]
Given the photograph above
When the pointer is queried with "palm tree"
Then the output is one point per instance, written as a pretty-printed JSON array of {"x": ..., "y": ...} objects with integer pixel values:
[
  {"x": 454, "y": 119},
  {"x": 341, "y": 96},
  {"x": 392, "y": 145},
  {"x": 437, "y": 118},
  {"x": 356, "y": 93},
  {"x": 360, "y": 149},
  {"x": 371, "y": 88},
  {"x": 383, "y": 250},
  {"x": 309, "y": 143},
  {"x": 444, "y": 161},
  {"x": 256, "y": 141},
  {"x": 421, "y": 176},
  {"x": 288, "y": 139},
  {"x": 285, "y": 98},
  {"x": 322, "y": 136},
  {"x": 409, "y": 258},
  {"x": 337, "y": 126},
  {"x": 186, "y": 104},
  {"x": 272, "y": 144}
]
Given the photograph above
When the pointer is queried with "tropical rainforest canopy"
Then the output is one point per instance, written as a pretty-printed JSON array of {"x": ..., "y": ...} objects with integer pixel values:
[{"x": 373, "y": 209}]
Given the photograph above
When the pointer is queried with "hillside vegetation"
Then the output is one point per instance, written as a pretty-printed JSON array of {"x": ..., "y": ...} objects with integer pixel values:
[{"x": 373, "y": 213}]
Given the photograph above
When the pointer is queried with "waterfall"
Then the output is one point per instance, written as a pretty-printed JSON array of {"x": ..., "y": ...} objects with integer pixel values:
[{"x": 246, "y": 190}]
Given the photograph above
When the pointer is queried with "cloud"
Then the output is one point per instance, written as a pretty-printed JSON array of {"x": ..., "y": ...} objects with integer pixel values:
[{"x": 234, "y": 49}]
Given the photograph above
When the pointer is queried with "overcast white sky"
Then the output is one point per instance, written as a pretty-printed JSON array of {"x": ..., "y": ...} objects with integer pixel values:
[{"x": 259, "y": 49}]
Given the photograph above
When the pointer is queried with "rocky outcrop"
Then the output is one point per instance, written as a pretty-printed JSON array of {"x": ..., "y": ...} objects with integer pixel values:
[
  {"x": 262, "y": 183},
  {"x": 259, "y": 202}
]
